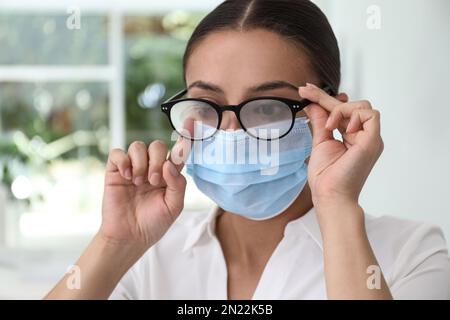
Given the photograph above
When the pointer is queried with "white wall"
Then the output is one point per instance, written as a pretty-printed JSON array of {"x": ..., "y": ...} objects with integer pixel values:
[{"x": 404, "y": 70}]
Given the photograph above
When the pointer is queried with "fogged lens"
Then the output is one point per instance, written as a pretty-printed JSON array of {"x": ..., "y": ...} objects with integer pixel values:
[
  {"x": 194, "y": 119},
  {"x": 266, "y": 118}
]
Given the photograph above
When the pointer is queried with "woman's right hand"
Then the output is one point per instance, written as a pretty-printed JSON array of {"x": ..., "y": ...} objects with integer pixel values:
[{"x": 144, "y": 193}]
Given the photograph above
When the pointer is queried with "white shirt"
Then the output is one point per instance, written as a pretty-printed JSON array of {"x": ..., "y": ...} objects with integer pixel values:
[{"x": 188, "y": 262}]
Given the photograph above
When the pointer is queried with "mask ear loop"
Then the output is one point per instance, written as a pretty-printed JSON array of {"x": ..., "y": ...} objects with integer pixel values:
[{"x": 304, "y": 120}]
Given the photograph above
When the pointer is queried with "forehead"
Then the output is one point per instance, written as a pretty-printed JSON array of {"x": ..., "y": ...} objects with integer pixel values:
[{"x": 245, "y": 58}]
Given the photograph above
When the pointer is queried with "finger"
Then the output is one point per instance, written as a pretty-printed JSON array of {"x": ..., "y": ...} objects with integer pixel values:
[
  {"x": 157, "y": 154},
  {"x": 175, "y": 189},
  {"x": 343, "y": 126},
  {"x": 182, "y": 148},
  {"x": 354, "y": 124},
  {"x": 318, "y": 118},
  {"x": 317, "y": 95},
  {"x": 371, "y": 141},
  {"x": 368, "y": 120},
  {"x": 119, "y": 161},
  {"x": 139, "y": 161},
  {"x": 344, "y": 111}
]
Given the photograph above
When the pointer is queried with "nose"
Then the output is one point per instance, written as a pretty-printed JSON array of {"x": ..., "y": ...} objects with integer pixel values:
[{"x": 230, "y": 121}]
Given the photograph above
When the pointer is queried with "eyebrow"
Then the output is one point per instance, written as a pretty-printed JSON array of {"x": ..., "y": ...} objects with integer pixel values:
[
  {"x": 266, "y": 86},
  {"x": 272, "y": 85},
  {"x": 205, "y": 86}
]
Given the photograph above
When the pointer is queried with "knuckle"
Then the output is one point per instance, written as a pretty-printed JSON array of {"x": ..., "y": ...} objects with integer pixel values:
[
  {"x": 154, "y": 166},
  {"x": 116, "y": 154},
  {"x": 356, "y": 112},
  {"x": 158, "y": 143},
  {"x": 158, "y": 146},
  {"x": 136, "y": 145},
  {"x": 183, "y": 181},
  {"x": 366, "y": 104},
  {"x": 338, "y": 109},
  {"x": 139, "y": 169}
]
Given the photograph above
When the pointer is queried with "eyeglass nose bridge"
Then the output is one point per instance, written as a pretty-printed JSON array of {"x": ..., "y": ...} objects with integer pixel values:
[{"x": 232, "y": 108}]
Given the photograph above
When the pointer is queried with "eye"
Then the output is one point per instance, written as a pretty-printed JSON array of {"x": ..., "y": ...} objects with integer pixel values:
[
  {"x": 199, "y": 111},
  {"x": 204, "y": 112},
  {"x": 266, "y": 109}
]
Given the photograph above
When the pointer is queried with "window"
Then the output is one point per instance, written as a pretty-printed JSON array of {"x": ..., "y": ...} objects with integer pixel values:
[{"x": 69, "y": 95}]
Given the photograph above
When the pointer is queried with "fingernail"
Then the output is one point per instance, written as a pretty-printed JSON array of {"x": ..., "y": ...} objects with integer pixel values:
[
  {"x": 173, "y": 171},
  {"x": 154, "y": 179},
  {"x": 302, "y": 89},
  {"x": 139, "y": 181},
  {"x": 310, "y": 85},
  {"x": 127, "y": 174}
]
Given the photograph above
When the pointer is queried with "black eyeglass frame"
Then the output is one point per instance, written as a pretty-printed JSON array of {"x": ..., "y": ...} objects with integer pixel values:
[{"x": 294, "y": 105}]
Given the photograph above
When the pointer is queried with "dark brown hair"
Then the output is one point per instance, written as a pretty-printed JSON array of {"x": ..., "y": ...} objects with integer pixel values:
[{"x": 299, "y": 21}]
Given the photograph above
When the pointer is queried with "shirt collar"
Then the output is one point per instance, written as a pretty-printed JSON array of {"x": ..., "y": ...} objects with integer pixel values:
[
  {"x": 307, "y": 223},
  {"x": 205, "y": 227}
]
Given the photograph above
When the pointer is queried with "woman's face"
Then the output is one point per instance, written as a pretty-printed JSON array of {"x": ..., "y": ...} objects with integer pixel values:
[{"x": 228, "y": 67}]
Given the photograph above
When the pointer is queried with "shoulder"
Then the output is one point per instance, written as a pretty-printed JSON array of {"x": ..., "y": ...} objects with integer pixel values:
[
  {"x": 396, "y": 234},
  {"x": 413, "y": 256},
  {"x": 399, "y": 229}
]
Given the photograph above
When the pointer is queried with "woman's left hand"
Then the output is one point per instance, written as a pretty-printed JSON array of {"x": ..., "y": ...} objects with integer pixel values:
[
  {"x": 338, "y": 169},
  {"x": 336, "y": 174}
]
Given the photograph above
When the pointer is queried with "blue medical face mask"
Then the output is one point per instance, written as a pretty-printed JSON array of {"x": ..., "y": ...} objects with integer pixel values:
[{"x": 257, "y": 179}]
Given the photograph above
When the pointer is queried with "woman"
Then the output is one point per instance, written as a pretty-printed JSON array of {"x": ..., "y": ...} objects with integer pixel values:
[{"x": 298, "y": 233}]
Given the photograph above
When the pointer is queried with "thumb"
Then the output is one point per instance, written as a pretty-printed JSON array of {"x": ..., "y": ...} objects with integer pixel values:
[
  {"x": 175, "y": 188},
  {"x": 318, "y": 117}
]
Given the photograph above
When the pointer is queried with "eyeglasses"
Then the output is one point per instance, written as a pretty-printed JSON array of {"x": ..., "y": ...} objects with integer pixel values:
[{"x": 266, "y": 118}]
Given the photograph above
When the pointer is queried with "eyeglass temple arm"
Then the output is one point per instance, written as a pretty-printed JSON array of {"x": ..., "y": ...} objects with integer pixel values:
[{"x": 177, "y": 95}]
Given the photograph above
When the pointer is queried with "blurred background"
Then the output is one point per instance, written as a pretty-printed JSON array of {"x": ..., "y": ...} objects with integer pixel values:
[{"x": 80, "y": 77}]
